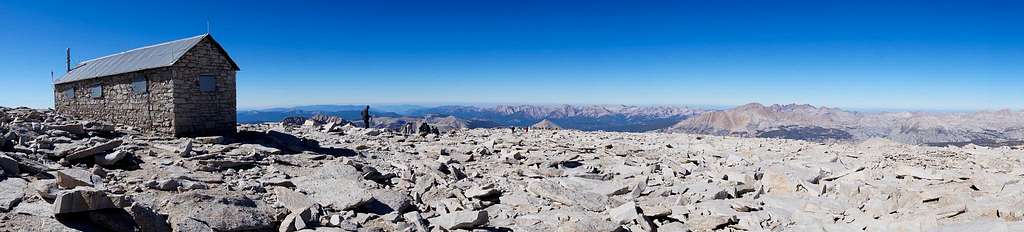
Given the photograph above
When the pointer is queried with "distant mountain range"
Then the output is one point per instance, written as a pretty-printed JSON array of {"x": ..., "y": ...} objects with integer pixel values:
[
  {"x": 588, "y": 117},
  {"x": 803, "y": 122},
  {"x": 259, "y": 116},
  {"x": 398, "y": 109}
]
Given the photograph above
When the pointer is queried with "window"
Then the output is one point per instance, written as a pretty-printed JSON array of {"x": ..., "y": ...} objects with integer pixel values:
[
  {"x": 207, "y": 83},
  {"x": 69, "y": 93},
  {"x": 96, "y": 91},
  {"x": 139, "y": 85}
]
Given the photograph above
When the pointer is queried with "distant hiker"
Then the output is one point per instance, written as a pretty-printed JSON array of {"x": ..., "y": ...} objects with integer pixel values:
[
  {"x": 424, "y": 129},
  {"x": 513, "y": 129},
  {"x": 366, "y": 117},
  {"x": 409, "y": 128}
]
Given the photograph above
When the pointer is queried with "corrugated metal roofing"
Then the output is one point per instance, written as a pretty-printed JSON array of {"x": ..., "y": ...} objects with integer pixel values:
[{"x": 153, "y": 56}]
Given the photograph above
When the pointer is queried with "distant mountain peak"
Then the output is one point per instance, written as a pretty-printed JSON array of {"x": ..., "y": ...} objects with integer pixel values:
[
  {"x": 546, "y": 124},
  {"x": 752, "y": 105}
]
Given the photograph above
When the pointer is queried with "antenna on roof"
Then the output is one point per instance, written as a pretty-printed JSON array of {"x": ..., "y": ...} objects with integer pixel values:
[
  {"x": 51, "y": 75},
  {"x": 67, "y": 60},
  {"x": 207, "y": 26}
]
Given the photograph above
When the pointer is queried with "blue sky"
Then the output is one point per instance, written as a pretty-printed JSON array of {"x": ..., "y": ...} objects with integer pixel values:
[{"x": 854, "y": 54}]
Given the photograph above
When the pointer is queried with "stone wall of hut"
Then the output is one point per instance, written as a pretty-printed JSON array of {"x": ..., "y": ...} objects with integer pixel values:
[
  {"x": 173, "y": 103},
  {"x": 204, "y": 113},
  {"x": 151, "y": 111}
]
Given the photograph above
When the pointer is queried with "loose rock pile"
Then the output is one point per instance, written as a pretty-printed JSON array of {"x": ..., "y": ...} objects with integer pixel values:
[{"x": 66, "y": 175}]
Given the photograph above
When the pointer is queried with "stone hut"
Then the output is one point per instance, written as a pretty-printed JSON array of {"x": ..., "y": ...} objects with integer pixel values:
[{"x": 184, "y": 87}]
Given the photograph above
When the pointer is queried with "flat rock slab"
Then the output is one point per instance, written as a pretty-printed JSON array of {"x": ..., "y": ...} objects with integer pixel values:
[
  {"x": 552, "y": 190},
  {"x": 607, "y": 188},
  {"x": 917, "y": 172},
  {"x": 182, "y": 150},
  {"x": 336, "y": 186},
  {"x": 111, "y": 158},
  {"x": 388, "y": 201},
  {"x": 260, "y": 149},
  {"x": 594, "y": 225},
  {"x": 27, "y": 163},
  {"x": 709, "y": 223},
  {"x": 19, "y": 222},
  {"x": 340, "y": 194},
  {"x": 12, "y": 191},
  {"x": 210, "y": 140},
  {"x": 38, "y": 208},
  {"x": 71, "y": 178},
  {"x": 207, "y": 211},
  {"x": 46, "y": 189},
  {"x": 460, "y": 220},
  {"x": 82, "y": 199},
  {"x": 219, "y": 165},
  {"x": 624, "y": 214},
  {"x": 482, "y": 191},
  {"x": 674, "y": 226},
  {"x": 94, "y": 150},
  {"x": 293, "y": 201},
  {"x": 416, "y": 220},
  {"x": 76, "y": 129},
  {"x": 775, "y": 180}
]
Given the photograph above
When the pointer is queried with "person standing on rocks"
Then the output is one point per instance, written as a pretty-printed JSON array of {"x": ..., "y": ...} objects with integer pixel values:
[
  {"x": 409, "y": 128},
  {"x": 424, "y": 129},
  {"x": 366, "y": 117}
]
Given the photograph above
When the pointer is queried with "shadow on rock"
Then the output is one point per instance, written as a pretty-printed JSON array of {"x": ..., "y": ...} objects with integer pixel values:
[
  {"x": 280, "y": 140},
  {"x": 99, "y": 220},
  {"x": 334, "y": 151},
  {"x": 288, "y": 143}
]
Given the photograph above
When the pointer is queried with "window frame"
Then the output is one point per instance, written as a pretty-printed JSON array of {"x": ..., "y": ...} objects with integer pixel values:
[
  {"x": 68, "y": 93},
  {"x": 212, "y": 82},
  {"x": 96, "y": 88},
  {"x": 145, "y": 84}
]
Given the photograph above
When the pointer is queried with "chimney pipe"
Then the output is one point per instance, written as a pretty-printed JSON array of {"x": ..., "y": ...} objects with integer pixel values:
[{"x": 67, "y": 61}]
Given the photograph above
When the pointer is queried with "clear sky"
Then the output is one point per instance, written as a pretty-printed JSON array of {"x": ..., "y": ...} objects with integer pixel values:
[{"x": 855, "y": 54}]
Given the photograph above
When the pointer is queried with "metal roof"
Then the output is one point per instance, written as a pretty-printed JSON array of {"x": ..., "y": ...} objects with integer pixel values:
[{"x": 153, "y": 56}]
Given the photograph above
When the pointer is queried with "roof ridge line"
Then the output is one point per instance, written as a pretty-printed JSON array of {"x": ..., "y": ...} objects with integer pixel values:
[{"x": 140, "y": 48}]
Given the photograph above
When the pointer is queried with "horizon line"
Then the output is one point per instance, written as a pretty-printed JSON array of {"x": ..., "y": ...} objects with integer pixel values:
[{"x": 693, "y": 106}]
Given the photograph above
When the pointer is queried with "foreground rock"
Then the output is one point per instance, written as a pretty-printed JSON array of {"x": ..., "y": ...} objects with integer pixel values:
[
  {"x": 71, "y": 178},
  {"x": 335, "y": 186},
  {"x": 196, "y": 211},
  {"x": 8, "y": 166},
  {"x": 82, "y": 199},
  {"x": 310, "y": 178},
  {"x": 12, "y": 191},
  {"x": 460, "y": 220},
  {"x": 94, "y": 150}
]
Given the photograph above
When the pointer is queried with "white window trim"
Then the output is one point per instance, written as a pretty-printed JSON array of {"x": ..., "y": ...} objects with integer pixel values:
[{"x": 100, "y": 86}]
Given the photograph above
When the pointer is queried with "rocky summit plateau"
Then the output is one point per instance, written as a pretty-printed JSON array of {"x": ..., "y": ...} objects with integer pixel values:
[
  {"x": 63, "y": 174},
  {"x": 791, "y": 121}
]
